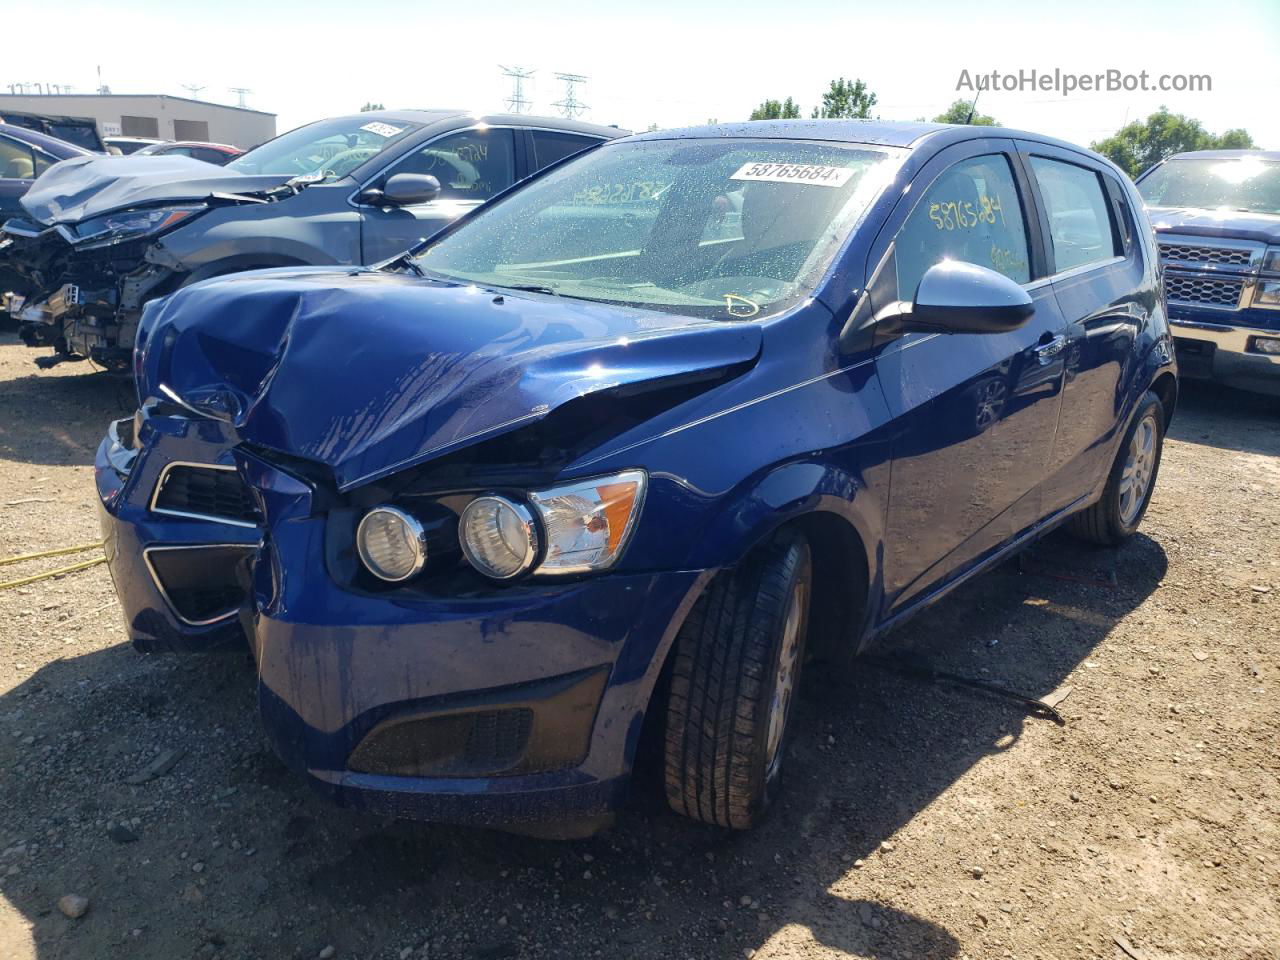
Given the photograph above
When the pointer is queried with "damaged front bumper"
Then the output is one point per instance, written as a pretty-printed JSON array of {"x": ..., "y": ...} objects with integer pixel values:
[
  {"x": 501, "y": 706},
  {"x": 84, "y": 303}
]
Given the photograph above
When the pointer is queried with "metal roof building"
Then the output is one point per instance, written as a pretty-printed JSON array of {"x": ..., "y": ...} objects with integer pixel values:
[{"x": 153, "y": 115}]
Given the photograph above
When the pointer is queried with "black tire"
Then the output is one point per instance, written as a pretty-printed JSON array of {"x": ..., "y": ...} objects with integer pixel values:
[
  {"x": 1106, "y": 522},
  {"x": 718, "y": 764}
]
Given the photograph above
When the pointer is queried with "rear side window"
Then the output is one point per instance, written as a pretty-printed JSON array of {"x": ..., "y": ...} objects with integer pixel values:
[
  {"x": 470, "y": 164},
  {"x": 971, "y": 213},
  {"x": 17, "y": 161},
  {"x": 1079, "y": 222},
  {"x": 549, "y": 146}
]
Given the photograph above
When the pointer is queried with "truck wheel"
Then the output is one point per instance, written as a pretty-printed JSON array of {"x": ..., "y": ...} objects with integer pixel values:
[
  {"x": 737, "y": 666},
  {"x": 1115, "y": 517}
]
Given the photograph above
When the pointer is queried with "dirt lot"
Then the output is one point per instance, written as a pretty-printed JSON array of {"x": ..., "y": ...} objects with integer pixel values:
[{"x": 919, "y": 821}]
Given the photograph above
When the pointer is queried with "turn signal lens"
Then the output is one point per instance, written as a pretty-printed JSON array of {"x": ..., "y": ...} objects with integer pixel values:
[
  {"x": 498, "y": 537},
  {"x": 588, "y": 523},
  {"x": 391, "y": 543}
]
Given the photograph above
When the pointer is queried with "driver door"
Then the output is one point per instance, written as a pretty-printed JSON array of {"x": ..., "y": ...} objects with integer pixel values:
[{"x": 472, "y": 165}]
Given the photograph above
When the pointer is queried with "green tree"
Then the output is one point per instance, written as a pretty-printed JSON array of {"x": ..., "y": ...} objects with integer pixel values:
[
  {"x": 1139, "y": 145},
  {"x": 786, "y": 109},
  {"x": 846, "y": 100},
  {"x": 369, "y": 106},
  {"x": 958, "y": 112}
]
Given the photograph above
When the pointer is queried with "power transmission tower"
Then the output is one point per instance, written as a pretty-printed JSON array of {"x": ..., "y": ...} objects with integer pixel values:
[
  {"x": 517, "y": 103},
  {"x": 194, "y": 89},
  {"x": 240, "y": 91},
  {"x": 571, "y": 106}
]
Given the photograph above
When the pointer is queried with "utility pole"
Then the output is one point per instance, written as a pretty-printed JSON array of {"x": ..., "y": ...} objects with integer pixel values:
[
  {"x": 194, "y": 89},
  {"x": 571, "y": 106},
  {"x": 517, "y": 102},
  {"x": 240, "y": 91}
]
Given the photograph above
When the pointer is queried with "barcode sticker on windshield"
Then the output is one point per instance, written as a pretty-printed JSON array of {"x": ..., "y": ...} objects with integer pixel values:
[
  {"x": 807, "y": 173},
  {"x": 382, "y": 129}
]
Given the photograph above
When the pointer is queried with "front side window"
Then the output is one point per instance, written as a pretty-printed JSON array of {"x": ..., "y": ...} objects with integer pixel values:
[
  {"x": 725, "y": 228},
  {"x": 330, "y": 149},
  {"x": 1079, "y": 223},
  {"x": 1248, "y": 184},
  {"x": 470, "y": 164},
  {"x": 971, "y": 213}
]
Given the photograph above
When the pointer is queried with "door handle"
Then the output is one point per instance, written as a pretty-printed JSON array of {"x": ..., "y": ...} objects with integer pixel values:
[{"x": 1050, "y": 349}]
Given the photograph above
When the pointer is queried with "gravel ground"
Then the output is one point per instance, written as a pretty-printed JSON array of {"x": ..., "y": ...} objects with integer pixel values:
[{"x": 919, "y": 821}]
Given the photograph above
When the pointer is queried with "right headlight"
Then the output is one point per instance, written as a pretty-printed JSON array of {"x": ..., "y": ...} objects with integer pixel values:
[{"x": 578, "y": 527}]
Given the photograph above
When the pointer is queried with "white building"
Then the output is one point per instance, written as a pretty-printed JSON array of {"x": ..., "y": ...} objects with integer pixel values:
[{"x": 153, "y": 115}]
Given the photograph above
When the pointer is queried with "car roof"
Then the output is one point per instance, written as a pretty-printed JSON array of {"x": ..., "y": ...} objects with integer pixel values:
[
  {"x": 427, "y": 117},
  {"x": 202, "y": 143},
  {"x": 1227, "y": 155},
  {"x": 872, "y": 132},
  {"x": 59, "y": 148}
]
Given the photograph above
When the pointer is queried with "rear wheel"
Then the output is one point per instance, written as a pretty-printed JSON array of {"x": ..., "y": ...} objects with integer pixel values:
[
  {"x": 737, "y": 667},
  {"x": 1115, "y": 517}
]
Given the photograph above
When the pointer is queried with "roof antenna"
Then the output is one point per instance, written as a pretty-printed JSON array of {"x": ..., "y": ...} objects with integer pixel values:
[{"x": 972, "y": 107}]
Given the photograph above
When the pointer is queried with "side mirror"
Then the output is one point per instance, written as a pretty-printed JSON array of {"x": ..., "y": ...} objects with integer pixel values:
[
  {"x": 959, "y": 297},
  {"x": 404, "y": 190}
]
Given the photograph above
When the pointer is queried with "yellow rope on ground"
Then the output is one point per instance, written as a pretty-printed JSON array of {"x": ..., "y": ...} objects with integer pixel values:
[
  {"x": 82, "y": 565},
  {"x": 51, "y": 553}
]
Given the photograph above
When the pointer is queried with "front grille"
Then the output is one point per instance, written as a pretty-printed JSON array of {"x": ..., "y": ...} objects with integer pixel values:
[
  {"x": 207, "y": 492},
  {"x": 1203, "y": 291},
  {"x": 1191, "y": 253},
  {"x": 201, "y": 584}
]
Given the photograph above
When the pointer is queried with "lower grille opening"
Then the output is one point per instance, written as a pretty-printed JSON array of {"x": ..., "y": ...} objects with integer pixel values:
[
  {"x": 201, "y": 584},
  {"x": 463, "y": 744},
  {"x": 1204, "y": 291}
]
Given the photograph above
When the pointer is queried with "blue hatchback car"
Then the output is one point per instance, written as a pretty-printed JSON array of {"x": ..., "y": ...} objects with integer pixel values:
[{"x": 633, "y": 443}]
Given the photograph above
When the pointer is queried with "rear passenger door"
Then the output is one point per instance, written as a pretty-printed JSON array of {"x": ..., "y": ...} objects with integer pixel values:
[
  {"x": 975, "y": 414},
  {"x": 1095, "y": 265}
]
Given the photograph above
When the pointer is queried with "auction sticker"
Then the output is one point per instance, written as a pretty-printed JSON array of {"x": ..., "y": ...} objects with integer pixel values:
[
  {"x": 382, "y": 129},
  {"x": 807, "y": 173}
]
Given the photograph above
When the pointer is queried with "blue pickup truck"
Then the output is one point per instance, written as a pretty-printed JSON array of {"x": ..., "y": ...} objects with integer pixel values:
[{"x": 1217, "y": 219}]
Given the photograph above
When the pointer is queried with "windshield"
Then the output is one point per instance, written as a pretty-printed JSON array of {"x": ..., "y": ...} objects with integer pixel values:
[
  {"x": 330, "y": 148},
  {"x": 1247, "y": 184},
  {"x": 731, "y": 228}
]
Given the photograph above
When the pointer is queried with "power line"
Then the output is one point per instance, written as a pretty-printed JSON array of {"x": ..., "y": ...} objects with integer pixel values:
[
  {"x": 571, "y": 106},
  {"x": 517, "y": 103},
  {"x": 240, "y": 91}
]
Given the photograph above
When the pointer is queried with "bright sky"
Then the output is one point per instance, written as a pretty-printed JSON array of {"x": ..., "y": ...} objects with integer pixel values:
[{"x": 662, "y": 61}]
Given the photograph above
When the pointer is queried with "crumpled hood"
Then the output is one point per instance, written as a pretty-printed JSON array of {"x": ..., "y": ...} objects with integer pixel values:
[
  {"x": 1233, "y": 224},
  {"x": 373, "y": 372},
  {"x": 84, "y": 187}
]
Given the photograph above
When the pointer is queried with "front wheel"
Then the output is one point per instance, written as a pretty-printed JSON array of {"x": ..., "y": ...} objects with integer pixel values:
[
  {"x": 1116, "y": 515},
  {"x": 737, "y": 666}
]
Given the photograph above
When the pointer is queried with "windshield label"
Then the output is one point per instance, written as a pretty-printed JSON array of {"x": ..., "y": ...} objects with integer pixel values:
[
  {"x": 811, "y": 174},
  {"x": 382, "y": 129}
]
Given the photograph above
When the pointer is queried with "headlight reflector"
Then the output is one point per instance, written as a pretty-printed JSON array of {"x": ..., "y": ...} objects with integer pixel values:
[
  {"x": 391, "y": 543},
  {"x": 498, "y": 536},
  {"x": 588, "y": 522},
  {"x": 130, "y": 224}
]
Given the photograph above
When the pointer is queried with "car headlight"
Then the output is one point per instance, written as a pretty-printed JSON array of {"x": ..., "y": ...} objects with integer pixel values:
[
  {"x": 1267, "y": 294},
  {"x": 578, "y": 527},
  {"x": 1271, "y": 260},
  {"x": 131, "y": 224},
  {"x": 392, "y": 544},
  {"x": 498, "y": 536}
]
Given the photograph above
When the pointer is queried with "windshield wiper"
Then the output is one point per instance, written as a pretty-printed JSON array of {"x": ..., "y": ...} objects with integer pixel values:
[{"x": 527, "y": 288}]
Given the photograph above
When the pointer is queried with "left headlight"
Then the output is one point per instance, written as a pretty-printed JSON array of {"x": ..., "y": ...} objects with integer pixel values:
[
  {"x": 391, "y": 543},
  {"x": 131, "y": 224},
  {"x": 579, "y": 527}
]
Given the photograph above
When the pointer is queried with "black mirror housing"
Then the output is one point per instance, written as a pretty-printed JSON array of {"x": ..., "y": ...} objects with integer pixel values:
[
  {"x": 405, "y": 190},
  {"x": 959, "y": 297}
]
